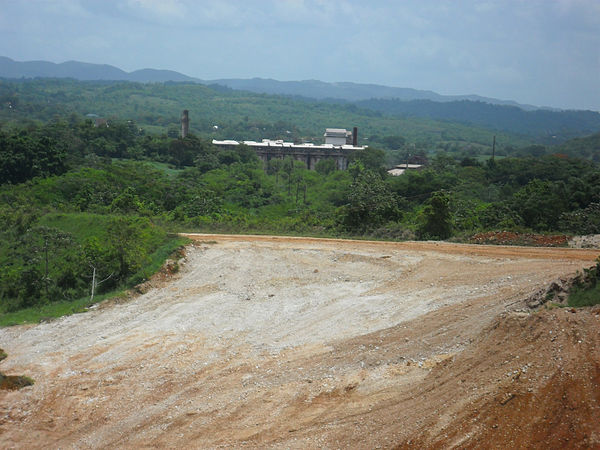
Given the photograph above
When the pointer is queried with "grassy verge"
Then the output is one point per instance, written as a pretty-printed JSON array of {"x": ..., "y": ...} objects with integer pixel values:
[
  {"x": 585, "y": 296},
  {"x": 51, "y": 310},
  {"x": 586, "y": 289},
  {"x": 58, "y": 309},
  {"x": 157, "y": 259}
]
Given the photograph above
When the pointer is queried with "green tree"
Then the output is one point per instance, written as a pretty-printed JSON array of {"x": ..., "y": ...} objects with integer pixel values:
[
  {"x": 23, "y": 156},
  {"x": 371, "y": 158},
  {"x": 124, "y": 236},
  {"x": 540, "y": 204},
  {"x": 325, "y": 166},
  {"x": 100, "y": 261},
  {"x": 436, "y": 219},
  {"x": 45, "y": 244},
  {"x": 370, "y": 202}
]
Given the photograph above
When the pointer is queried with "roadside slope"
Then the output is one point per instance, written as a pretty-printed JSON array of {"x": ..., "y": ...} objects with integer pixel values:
[{"x": 292, "y": 342}]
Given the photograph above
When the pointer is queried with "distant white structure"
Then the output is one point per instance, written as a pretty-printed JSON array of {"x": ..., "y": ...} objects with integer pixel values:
[
  {"x": 401, "y": 168},
  {"x": 337, "y": 136},
  {"x": 339, "y": 150},
  {"x": 280, "y": 143}
]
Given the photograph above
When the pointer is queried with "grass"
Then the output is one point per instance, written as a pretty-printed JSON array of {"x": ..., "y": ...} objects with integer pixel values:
[
  {"x": 168, "y": 169},
  {"x": 58, "y": 309},
  {"x": 157, "y": 259},
  {"x": 14, "y": 382},
  {"x": 582, "y": 296},
  {"x": 80, "y": 225},
  {"x": 51, "y": 310},
  {"x": 586, "y": 290}
]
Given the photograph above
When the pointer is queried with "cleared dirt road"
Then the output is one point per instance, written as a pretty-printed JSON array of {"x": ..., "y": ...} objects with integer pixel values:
[{"x": 264, "y": 341}]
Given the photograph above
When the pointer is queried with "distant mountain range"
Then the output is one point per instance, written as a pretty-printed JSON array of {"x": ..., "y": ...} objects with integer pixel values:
[
  {"x": 312, "y": 89},
  {"x": 527, "y": 120},
  {"x": 84, "y": 71},
  {"x": 351, "y": 92}
]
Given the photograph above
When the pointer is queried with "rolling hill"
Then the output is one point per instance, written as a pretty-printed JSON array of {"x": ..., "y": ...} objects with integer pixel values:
[
  {"x": 313, "y": 89},
  {"x": 83, "y": 71}
]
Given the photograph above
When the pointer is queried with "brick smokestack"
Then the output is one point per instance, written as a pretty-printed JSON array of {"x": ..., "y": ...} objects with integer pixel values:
[
  {"x": 185, "y": 123},
  {"x": 355, "y": 137}
]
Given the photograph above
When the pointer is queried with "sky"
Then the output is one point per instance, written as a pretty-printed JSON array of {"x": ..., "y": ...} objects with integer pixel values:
[{"x": 539, "y": 52}]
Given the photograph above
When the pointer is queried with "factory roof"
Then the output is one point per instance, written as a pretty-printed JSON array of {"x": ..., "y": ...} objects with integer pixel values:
[
  {"x": 335, "y": 132},
  {"x": 408, "y": 166},
  {"x": 282, "y": 144}
]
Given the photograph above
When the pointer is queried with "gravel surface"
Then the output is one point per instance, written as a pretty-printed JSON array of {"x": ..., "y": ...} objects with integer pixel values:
[{"x": 273, "y": 342}]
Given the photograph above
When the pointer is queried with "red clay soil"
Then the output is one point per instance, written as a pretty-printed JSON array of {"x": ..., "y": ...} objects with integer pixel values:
[
  {"x": 511, "y": 238},
  {"x": 533, "y": 381},
  {"x": 274, "y": 342}
]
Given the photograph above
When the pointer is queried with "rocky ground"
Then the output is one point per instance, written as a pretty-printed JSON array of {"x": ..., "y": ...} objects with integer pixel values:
[{"x": 304, "y": 343}]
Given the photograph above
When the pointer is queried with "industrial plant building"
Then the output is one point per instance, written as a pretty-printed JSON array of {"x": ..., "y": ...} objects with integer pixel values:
[{"x": 339, "y": 145}]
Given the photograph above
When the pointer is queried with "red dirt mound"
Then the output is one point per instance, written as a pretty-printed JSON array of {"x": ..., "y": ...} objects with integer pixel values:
[
  {"x": 511, "y": 238},
  {"x": 532, "y": 382}
]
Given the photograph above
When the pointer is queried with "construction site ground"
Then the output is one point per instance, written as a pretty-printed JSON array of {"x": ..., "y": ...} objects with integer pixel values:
[{"x": 273, "y": 342}]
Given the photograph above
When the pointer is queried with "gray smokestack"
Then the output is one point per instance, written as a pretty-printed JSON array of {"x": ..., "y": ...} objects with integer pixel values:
[
  {"x": 185, "y": 123},
  {"x": 355, "y": 137}
]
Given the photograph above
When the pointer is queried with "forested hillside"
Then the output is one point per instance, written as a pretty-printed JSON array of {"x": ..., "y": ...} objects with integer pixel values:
[
  {"x": 314, "y": 89},
  {"x": 86, "y": 207},
  {"x": 546, "y": 125},
  {"x": 236, "y": 114}
]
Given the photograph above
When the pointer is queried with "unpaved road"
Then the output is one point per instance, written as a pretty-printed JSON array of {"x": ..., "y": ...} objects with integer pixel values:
[{"x": 306, "y": 343}]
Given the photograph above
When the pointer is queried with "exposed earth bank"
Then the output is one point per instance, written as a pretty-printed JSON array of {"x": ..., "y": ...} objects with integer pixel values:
[{"x": 307, "y": 343}]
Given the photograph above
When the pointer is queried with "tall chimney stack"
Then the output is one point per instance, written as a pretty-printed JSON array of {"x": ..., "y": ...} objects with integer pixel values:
[
  {"x": 355, "y": 137},
  {"x": 185, "y": 123}
]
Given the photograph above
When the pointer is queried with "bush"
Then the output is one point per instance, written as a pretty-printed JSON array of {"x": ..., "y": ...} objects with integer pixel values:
[
  {"x": 586, "y": 289},
  {"x": 436, "y": 220}
]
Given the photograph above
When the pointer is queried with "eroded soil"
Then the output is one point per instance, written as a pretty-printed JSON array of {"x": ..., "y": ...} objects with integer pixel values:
[{"x": 305, "y": 343}]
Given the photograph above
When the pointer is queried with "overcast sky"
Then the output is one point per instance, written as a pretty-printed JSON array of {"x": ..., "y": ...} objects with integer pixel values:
[{"x": 542, "y": 52}]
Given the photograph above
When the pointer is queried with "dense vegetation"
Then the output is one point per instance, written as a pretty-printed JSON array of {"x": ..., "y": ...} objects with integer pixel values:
[
  {"x": 156, "y": 108},
  {"x": 87, "y": 208},
  {"x": 545, "y": 124}
]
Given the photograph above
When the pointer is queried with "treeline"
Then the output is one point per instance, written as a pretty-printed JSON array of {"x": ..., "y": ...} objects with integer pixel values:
[{"x": 546, "y": 124}]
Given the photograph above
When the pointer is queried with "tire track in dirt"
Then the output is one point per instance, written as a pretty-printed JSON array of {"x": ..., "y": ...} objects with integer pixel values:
[{"x": 265, "y": 341}]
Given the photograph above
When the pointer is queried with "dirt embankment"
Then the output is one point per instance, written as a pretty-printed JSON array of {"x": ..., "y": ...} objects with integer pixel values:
[{"x": 304, "y": 343}]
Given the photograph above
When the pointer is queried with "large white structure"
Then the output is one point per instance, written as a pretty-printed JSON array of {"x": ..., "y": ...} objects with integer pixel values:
[
  {"x": 339, "y": 150},
  {"x": 337, "y": 136}
]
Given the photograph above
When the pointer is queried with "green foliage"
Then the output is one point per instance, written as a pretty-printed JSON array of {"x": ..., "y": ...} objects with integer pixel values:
[
  {"x": 325, "y": 166},
  {"x": 51, "y": 310},
  {"x": 500, "y": 117},
  {"x": 582, "y": 221},
  {"x": 238, "y": 115},
  {"x": 586, "y": 290},
  {"x": 435, "y": 219},
  {"x": 585, "y": 296},
  {"x": 14, "y": 382},
  {"x": 370, "y": 202},
  {"x": 124, "y": 236},
  {"x": 370, "y": 158},
  {"x": 24, "y": 156},
  {"x": 100, "y": 210},
  {"x": 587, "y": 147},
  {"x": 540, "y": 204},
  {"x": 47, "y": 265}
]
